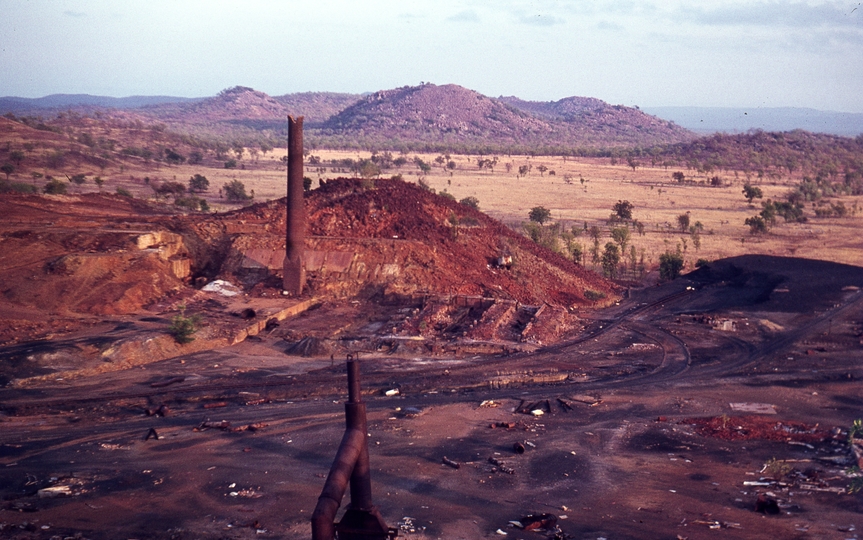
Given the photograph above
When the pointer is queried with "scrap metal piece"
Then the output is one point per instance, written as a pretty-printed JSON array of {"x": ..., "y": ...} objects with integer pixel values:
[
  {"x": 501, "y": 466},
  {"x": 542, "y": 521},
  {"x": 450, "y": 463}
]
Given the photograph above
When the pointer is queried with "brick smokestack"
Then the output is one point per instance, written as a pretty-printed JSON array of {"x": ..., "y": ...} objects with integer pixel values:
[{"x": 294, "y": 270}]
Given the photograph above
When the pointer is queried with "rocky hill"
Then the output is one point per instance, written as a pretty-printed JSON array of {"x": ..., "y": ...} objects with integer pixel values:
[
  {"x": 450, "y": 115},
  {"x": 564, "y": 109},
  {"x": 232, "y": 104},
  {"x": 436, "y": 113},
  {"x": 425, "y": 117},
  {"x": 317, "y": 107},
  {"x": 592, "y": 120}
]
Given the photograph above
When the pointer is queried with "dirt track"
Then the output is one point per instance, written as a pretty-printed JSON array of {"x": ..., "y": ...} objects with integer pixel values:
[{"x": 626, "y": 461}]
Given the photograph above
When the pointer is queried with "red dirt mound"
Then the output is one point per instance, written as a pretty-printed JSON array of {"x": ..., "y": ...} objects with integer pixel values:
[{"x": 440, "y": 246}]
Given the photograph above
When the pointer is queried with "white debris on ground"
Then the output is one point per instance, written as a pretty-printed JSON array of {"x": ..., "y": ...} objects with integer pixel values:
[{"x": 222, "y": 287}]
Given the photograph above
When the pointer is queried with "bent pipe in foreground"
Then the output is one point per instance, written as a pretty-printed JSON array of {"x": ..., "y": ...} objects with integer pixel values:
[
  {"x": 324, "y": 516},
  {"x": 351, "y": 465}
]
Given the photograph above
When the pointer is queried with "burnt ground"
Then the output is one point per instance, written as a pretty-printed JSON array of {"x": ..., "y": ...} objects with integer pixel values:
[{"x": 666, "y": 416}]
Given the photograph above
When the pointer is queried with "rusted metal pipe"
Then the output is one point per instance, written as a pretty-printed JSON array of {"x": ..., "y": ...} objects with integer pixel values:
[
  {"x": 351, "y": 465},
  {"x": 324, "y": 516},
  {"x": 294, "y": 278}
]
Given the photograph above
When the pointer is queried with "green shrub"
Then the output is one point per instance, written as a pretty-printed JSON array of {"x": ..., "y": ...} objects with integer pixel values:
[
  {"x": 55, "y": 187},
  {"x": 670, "y": 265},
  {"x": 235, "y": 191},
  {"x": 593, "y": 296},
  {"x": 192, "y": 203},
  {"x": 473, "y": 202},
  {"x": 183, "y": 328},
  {"x": 16, "y": 187}
]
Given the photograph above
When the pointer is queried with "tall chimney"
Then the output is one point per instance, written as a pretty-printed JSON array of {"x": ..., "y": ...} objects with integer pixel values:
[{"x": 294, "y": 271}]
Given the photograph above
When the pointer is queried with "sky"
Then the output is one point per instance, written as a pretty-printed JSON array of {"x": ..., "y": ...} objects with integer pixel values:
[{"x": 711, "y": 53}]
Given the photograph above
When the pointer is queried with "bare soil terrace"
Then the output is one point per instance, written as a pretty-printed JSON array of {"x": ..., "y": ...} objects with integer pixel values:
[{"x": 654, "y": 423}]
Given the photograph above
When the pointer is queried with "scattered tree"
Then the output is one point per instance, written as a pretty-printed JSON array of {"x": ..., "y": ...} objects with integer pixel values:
[
  {"x": 610, "y": 259},
  {"x": 166, "y": 189},
  {"x": 17, "y": 157},
  {"x": 235, "y": 191},
  {"x": 695, "y": 234},
  {"x": 670, "y": 265},
  {"x": 623, "y": 210},
  {"x": 542, "y": 235},
  {"x": 678, "y": 176},
  {"x": 55, "y": 187},
  {"x": 683, "y": 222},
  {"x": 539, "y": 214},
  {"x": 424, "y": 167},
  {"x": 192, "y": 203},
  {"x": 751, "y": 192},
  {"x": 595, "y": 233},
  {"x": 369, "y": 169},
  {"x": 77, "y": 179},
  {"x": 756, "y": 224},
  {"x": 173, "y": 157},
  {"x": 473, "y": 202},
  {"x": 198, "y": 184},
  {"x": 577, "y": 251},
  {"x": 7, "y": 169},
  {"x": 621, "y": 235}
]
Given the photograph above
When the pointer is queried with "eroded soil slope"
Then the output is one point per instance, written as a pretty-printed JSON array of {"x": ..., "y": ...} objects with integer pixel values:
[
  {"x": 66, "y": 259},
  {"x": 419, "y": 242}
]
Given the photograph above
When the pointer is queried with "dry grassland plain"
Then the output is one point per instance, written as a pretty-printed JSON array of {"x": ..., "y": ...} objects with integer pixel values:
[{"x": 658, "y": 200}]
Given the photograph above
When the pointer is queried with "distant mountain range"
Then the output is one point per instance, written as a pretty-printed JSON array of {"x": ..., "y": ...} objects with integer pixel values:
[
  {"x": 18, "y": 105},
  {"x": 436, "y": 117},
  {"x": 739, "y": 120}
]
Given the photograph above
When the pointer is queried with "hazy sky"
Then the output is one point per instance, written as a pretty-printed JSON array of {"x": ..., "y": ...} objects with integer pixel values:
[{"x": 768, "y": 53}]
